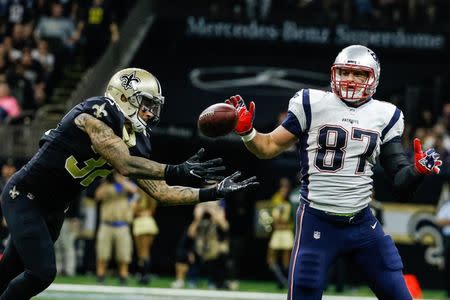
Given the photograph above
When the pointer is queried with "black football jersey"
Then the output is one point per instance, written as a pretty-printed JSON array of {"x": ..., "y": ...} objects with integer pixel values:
[{"x": 66, "y": 162}]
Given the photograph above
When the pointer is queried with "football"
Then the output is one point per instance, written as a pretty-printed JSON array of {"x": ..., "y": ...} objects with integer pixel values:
[{"x": 217, "y": 120}]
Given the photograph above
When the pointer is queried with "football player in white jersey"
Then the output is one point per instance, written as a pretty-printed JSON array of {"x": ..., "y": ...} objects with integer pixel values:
[{"x": 340, "y": 136}]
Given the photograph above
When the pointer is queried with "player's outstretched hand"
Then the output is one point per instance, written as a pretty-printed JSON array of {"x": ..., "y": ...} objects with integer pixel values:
[
  {"x": 195, "y": 170},
  {"x": 246, "y": 116},
  {"x": 230, "y": 185},
  {"x": 426, "y": 162}
]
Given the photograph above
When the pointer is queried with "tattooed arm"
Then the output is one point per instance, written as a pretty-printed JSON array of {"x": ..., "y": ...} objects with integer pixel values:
[
  {"x": 168, "y": 194},
  {"x": 178, "y": 195},
  {"x": 114, "y": 150}
]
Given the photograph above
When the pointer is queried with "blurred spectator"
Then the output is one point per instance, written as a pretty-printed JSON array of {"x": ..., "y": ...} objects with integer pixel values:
[
  {"x": 41, "y": 8},
  {"x": 209, "y": 229},
  {"x": 4, "y": 61},
  {"x": 44, "y": 57},
  {"x": 8, "y": 103},
  {"x": 282, "y": 238},
  {"x": 117, "y": 195},
  {"x": 445, "y": 122},
  {"x": 66, "y": 260},
  {"x": 258, "y": 9},
  {"x": 86, "y": 237},
  {"x": 8, "y": 169},
  {"x": 294, "y": 195},
  {"x": 443, "y": 221},
  {"x": 239, "y": 211},
  {"x": 21, "y": 87},
  {"x": 57, "y": 27},
  {"x": 33, "y": 70},
  {"x": 440, "y": 135},
  {"x": 12, "y": 53},
  {"x": 184, "y": 258},
  {"x": 19, "y": 37},
  {"x": 144, "y": 231},
  {"x": 99, "y": 29},
  {"x": 16, "y": 12},
  {"x": 61, "y": 34}
]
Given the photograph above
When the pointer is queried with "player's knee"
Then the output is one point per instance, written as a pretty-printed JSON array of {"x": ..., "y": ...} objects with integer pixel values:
[
  {"x": 395, "y": 287},
  {"x": 394, "y": 283},
  {"x": 389, "y": 253},
  {"x": 310, "y": 272},
  {"x": 38, "y": 282},
  {"x": 45, "y": 273}
]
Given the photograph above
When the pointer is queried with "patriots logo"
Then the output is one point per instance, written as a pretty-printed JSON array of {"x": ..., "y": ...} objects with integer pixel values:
[
  {"x": 128, "y": 80},
  {"x": 374, "y": 56},
  {"x": 316, "y": 235},
  {"x": 429, "y": 159}
]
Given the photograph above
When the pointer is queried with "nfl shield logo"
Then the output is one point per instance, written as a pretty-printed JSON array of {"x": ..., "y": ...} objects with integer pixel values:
[{"x": 316, "y": 235}]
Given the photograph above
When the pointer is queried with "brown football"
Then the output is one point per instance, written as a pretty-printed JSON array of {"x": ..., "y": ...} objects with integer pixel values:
[{"x": 217, "y": 120}]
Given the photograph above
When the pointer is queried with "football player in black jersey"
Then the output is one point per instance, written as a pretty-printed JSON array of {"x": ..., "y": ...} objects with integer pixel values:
[{"x": 95, "y": 137}]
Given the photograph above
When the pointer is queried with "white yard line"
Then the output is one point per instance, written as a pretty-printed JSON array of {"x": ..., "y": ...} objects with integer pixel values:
[{"x": 73, "y": 291}]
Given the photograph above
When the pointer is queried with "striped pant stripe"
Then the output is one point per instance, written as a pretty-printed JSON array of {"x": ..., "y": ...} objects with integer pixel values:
[{"x": 296, "y": 250}]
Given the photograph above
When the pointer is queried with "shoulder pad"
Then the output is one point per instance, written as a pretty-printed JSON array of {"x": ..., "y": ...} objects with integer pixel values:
[{"x": 105, "y": 110}]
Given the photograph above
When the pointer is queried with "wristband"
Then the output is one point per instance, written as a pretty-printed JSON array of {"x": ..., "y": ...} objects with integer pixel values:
[
  {"x": 170, "y": 174},
  {"x": 207, "y": 194},
  {"x": 249, "y": 137}
]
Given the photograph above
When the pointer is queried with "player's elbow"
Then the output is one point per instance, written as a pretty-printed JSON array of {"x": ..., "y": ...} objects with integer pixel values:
[
  {"x": 261, "y": 153},
  {"x": 123, "y": 169},
  {"x": 267, "y": 153}
]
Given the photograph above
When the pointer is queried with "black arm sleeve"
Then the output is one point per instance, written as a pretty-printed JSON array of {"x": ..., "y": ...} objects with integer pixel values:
[{"x": 402, "y": 174}]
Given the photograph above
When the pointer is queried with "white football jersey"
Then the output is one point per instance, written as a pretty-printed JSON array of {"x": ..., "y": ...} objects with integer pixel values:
[{"x": 339, "y": 145}]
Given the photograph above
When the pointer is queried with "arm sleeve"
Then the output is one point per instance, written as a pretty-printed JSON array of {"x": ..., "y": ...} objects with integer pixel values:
[
  {"x": 402, "y": 174},
  {"x": 296, "y": 121},
  {"x": 394, "y": 127}
]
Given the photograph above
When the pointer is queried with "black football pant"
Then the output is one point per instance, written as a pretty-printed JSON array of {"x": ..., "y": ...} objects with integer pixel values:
[{"x": 28, "y": 265}]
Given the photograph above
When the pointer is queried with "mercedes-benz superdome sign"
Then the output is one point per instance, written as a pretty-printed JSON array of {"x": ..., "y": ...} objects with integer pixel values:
[{"x": 292, "y": 32}]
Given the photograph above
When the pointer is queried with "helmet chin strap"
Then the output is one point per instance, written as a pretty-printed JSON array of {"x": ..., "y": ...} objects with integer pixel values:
[{"x": 138, "y": 124}]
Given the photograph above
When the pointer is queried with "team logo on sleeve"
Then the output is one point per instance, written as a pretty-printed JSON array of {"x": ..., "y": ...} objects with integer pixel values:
[
  {"x": 128, "y": 80},
  {"x": 13, "y": 193},
  {"x": 430, "y": 158},
  {"x": 316, "y": 235},
  {"x": 100, "y": 110}
]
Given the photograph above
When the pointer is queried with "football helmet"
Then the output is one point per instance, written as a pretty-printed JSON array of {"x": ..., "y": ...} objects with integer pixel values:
[
  {"x": 134, "y": 89},
  {"x": 351, "y": 59}
]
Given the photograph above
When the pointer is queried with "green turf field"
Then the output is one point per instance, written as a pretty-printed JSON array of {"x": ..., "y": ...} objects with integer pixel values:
[{"x": 256, "y": 287}]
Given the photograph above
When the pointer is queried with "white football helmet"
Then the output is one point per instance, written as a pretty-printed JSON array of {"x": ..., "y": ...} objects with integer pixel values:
[
  {"x": 355, "y": 57},
  {"x": 133, "y": 89}
]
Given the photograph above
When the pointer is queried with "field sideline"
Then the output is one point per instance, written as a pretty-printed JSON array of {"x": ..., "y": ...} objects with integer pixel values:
[
  {"x": 86, "y": 287},
  {"x": 81, "y": 291}
]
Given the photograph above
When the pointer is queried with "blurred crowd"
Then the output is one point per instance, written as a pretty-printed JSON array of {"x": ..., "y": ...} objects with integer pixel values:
[
  {"x": 415, "y": 13},
  {"x": 40, "y": 39},
  {"x": 399, "y": 13}
]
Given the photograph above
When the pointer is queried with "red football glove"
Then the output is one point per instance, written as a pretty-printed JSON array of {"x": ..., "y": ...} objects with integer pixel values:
[
  {"x": 244, "y": 124},
  {"x": 426, "y": 162}
]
